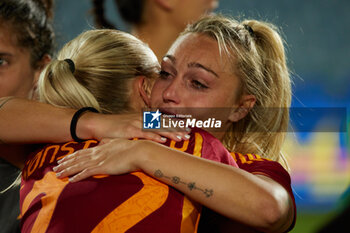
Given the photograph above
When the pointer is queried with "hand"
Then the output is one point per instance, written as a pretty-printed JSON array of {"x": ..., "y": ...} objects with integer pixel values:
[
  {"x": 115, "y": 157},
  {"x": 125, "y": 126}
]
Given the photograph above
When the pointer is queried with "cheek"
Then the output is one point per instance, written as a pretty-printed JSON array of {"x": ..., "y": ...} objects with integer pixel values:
[{"x": 156, "y": 94}]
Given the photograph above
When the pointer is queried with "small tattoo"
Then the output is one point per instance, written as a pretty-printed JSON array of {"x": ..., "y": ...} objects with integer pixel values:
[
  {"x": 177, "y": 180},
  {"x": 208, "y": 192},
  {"x": 158, "y": 173},
  {"x": 191, "y": 185}
]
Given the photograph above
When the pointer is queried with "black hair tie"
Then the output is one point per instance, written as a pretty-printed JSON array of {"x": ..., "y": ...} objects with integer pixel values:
[
  {"x": 249, "y": 29},
  {"x": 73, "y": 124},
  {"x": 71, "y": 64}
]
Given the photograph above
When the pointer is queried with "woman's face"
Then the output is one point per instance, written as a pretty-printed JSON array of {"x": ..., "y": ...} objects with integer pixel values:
[
  {"x": 195, "y": 78},
  {"x": 16, "y": 72}
]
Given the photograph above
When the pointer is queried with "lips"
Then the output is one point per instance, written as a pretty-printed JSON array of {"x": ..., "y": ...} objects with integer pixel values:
[{"x": 167, "y": 111}]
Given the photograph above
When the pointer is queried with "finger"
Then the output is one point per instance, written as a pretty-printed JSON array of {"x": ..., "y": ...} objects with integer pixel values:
[
  {"x": 70, "y": 157},
  {"x": 74, "y": 169},
  {"x": 70, "y": 162},
  {"x": 84, "y": 174},
  {"x": 78, "y": 155},
  {"x": 152, "y": 136},
  {"x": 176, "y": 136},
  {"x": 74, "y": 161}
]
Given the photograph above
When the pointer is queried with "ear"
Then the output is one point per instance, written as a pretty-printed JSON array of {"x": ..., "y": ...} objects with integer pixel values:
[
  {"x": 167, "y": 5},
  {"x": 40, "y": 66},
  {"x": 142, "y": 86},
  {"x": 246, "y": 103}
]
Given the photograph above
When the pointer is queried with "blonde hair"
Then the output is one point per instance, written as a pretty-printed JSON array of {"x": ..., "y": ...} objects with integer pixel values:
[
  {"x": 260, "y": 64},
  {"x": 105, "y": 63}
]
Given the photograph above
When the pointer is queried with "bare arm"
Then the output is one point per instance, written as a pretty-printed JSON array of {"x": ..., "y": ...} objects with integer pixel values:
[
  {"x": 24, "y": 121},
  {"x": 256, "y": 201}
]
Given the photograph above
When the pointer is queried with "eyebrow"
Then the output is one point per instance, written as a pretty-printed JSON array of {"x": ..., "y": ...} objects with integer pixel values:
[
  {"x": 193, "y": 64},
  {"x": 198, "y": 65}
]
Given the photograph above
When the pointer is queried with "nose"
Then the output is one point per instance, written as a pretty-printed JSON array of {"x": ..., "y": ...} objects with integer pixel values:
[{"x": 171, "y": 93}]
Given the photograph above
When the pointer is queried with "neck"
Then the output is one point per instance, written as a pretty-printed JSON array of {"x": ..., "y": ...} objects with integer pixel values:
[
  {"x": 158, "y": 35},
  {"x": 218, "y": 135}
]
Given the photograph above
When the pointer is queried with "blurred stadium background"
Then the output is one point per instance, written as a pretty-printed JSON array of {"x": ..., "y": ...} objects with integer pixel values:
[{"x": 318, "y": 35}]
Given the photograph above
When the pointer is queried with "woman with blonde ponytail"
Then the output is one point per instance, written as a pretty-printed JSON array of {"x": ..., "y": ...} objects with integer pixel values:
[
  {"x": 220, "y": 63},
  {"x": 104, "y": 71},
  {"x": 217, "y": 63}
]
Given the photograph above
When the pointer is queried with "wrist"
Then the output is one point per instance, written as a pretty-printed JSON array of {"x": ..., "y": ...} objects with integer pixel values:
[
  {"x": 86, "y": 126},
  {"x": 143, "y": 154}
]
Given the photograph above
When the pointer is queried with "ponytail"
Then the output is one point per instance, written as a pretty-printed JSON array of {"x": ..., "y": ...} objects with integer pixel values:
[
  {"x": 106, "y": 62},
  {"x": 60, "y": 88}
]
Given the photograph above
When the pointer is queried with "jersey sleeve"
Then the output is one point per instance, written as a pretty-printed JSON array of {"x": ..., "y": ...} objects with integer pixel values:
[
  {"x": 203, "y": 144},
  {"x": 215, "y": 151},
  {"x": 257, "y": 165}
]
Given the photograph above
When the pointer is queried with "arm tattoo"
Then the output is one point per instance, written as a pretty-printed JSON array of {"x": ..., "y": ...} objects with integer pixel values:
[{"x": 191, "y": 185}]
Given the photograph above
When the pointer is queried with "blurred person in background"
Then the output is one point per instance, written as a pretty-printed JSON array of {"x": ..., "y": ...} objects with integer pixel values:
[
  {"x": 156, "y": 22},
  {"x": 26, "y": 45}
]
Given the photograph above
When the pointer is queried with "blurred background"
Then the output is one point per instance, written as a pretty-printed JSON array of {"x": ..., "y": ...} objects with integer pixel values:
[{"x": 318, "y": 35}]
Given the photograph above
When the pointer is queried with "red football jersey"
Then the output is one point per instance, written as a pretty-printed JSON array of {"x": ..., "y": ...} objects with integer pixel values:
[
  {"x": 132, "y": 202},
  {"x": 255, "y": 164}
]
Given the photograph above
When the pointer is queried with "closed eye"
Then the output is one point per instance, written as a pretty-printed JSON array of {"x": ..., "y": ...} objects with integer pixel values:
[
  {"x": 163, "y": 74},
  {"x": 198, "y": 85}
]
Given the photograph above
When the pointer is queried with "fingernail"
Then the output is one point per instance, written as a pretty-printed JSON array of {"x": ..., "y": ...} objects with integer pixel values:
[
  {"x": 178, "y": 137},
  {"x": 60, "y": 161},
  {"x": 59, "y": 174},
  {"x": 187, "y": 136},
  {"x": 55, "y": 168},
  {"x": 163, "y": 139},
  {"x": 70, "y": 179}
]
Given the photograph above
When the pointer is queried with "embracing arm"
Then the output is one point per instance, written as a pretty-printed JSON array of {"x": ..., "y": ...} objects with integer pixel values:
[
  {"x": 257, "y": 201},
  {"x": 26, "y": 121}
]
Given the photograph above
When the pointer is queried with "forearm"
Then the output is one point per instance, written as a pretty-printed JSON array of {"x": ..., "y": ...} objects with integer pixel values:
[
  {"x": 24, "y": 121},
  {"x": 227, "y": 190}
]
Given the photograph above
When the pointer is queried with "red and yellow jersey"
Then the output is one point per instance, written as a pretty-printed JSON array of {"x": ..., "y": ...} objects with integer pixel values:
[
  {"x": 132, "y": 202},
  {"x": 257, "y": 165}
]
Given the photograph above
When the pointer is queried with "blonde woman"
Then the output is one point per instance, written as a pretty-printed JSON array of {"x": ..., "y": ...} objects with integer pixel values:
[
  {"x": 105, "y": 71},
  {"x": 217, "y": 62}
]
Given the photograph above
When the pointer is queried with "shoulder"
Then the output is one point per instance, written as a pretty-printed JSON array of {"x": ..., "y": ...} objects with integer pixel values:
[
  {"x": 258, "y": 165},
  {"x": 212, "y": 148}
]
